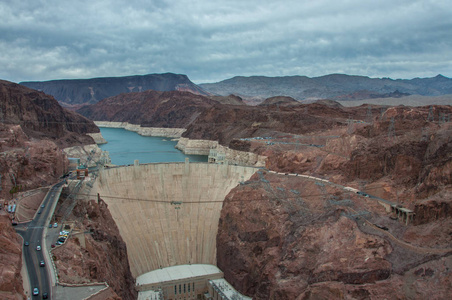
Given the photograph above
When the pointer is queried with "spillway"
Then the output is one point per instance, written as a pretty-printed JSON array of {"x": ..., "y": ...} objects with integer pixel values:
[{"x": 168, "y": 213}]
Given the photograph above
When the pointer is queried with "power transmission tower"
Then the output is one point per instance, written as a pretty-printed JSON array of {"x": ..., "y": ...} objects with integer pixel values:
[
  {"x": 369, "y": 118},
  {"x": 442, "y": 118},
  {"x": 350, "y": 127},
  {"x": 424, "y": 134},
  {"x": 391, "y": 129},
  {"x": 382, "y": 114},
  {"x": 430, "y": 116}
]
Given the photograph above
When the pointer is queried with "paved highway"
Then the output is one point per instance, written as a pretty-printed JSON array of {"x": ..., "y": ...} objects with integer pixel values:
[{"x": 32, "y": 232}]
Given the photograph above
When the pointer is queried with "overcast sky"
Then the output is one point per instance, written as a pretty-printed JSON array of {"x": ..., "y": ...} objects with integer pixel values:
[{"x": 211, "y": 40}]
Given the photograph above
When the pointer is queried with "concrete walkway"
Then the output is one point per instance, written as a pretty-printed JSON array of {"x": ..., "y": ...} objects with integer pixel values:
[{"x": 76, "y": 293}]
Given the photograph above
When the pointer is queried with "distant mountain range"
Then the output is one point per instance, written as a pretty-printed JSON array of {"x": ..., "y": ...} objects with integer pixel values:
[
  {"x": 77, "y": 92},
  {"x": 253, "y": 90},
  {"x": 334, "y": 86}
]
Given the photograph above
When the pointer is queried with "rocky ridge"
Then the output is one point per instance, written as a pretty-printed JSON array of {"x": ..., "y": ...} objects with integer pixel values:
[
  {"x": 41, "y": 117},
  {"x": 74, "y": 93},
  {"x": 333, "y": 86}
]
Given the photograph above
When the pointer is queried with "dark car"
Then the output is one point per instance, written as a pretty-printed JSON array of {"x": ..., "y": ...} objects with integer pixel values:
[
  {"x": 45, "y": 296},
  {"x": 26, "y": 244},
  {"x": 42, "y": 263}
]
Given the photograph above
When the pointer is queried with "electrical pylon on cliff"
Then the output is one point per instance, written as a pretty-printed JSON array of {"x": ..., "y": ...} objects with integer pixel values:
[
  {"x": 391, "y": 129},
  {"x": 430, "y": 116},
  {"x": 442, "y": 118},
  {"x": 350, "y": 125},
  {"x": 424, "y": 134},
  {"x": 369, "y": 117},
  {"x": 382, "y": 114}
]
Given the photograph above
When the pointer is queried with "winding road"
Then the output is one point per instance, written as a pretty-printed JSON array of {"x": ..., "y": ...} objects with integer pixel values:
[{"x": 32, "y": 232}]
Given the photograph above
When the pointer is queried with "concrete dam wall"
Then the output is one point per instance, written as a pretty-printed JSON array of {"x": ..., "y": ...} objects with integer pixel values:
[{"x": 168, "y": 213}]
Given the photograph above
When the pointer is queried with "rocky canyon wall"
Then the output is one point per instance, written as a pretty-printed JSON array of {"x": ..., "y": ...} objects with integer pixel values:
[
  {"x": 10, "y": 261},
  {"x": 95, "y": 252}
]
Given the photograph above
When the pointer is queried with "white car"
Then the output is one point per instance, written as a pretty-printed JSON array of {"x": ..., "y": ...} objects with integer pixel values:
[
  {"x": 38, "y": 248},
  {"x": 35, "y": 292}
]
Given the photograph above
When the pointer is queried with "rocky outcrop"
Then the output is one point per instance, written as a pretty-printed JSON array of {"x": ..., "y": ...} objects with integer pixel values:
[
  {"x": 280, "y": 101},
  {"x": 89, "y": 155},
  {"x": 196, "y": 147},
  {"x": 229, "y": 100},
  {"x": 433, "y": 209},
  {"x": 41, "y": 117},
  {"x": 97, "y": 254},
  {"x": 285, "y": 237},
  {"x": 414, "y": 151},
  {"x": 10, "y": 261},
  {"x": 27, "y": 164},
  {"x": 76, "y": 92},
  {"x": 150, "y": 109},
  {"x": 33, "y": 131},
  {"x": 231, "y": 156},
  {"x": 98, "y": 138}
]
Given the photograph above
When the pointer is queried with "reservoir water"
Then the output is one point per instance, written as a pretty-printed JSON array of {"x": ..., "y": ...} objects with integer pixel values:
[{"x": 126, "y": 146}]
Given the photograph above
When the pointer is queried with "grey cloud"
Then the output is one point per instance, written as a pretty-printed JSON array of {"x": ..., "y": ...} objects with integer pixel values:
[{"x": 215, "y": 40}]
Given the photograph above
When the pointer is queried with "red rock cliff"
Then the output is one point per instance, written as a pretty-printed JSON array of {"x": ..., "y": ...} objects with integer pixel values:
[
  {"x": 101, "y": 257},
  {"x": 10, "y": 261}
]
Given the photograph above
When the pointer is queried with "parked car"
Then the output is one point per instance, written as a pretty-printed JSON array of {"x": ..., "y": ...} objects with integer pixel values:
[
  {"x": 42, "y": 263},
  {"x": 35, "y": 292},
  {"x": 53, "y": 245},
  {"x": 55, "y": 225},
  {"x": 38, "y": 248},
  {"x": 50, "y": 225}
]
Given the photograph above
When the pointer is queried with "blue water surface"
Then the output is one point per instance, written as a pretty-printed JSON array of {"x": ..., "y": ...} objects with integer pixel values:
[{"x": 126, "y": 146}]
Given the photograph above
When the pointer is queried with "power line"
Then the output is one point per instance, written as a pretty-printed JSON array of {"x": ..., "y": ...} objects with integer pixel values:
[{"x": 177, "y": 200}]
